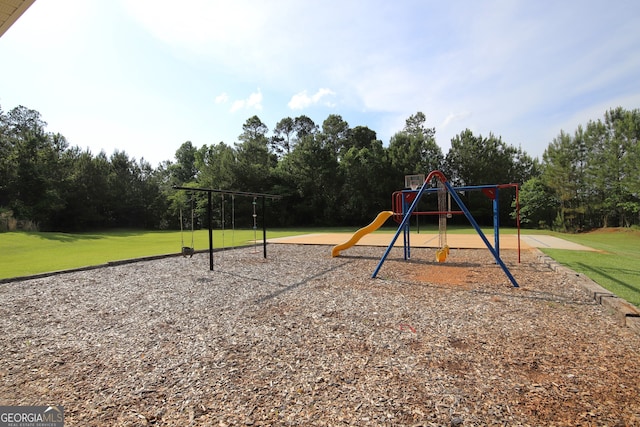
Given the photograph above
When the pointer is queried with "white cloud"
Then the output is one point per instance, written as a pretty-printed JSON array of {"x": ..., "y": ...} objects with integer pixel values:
[
  {"x": 455, "y": 117},
  {"x": 253, "y": 101},
  {"x": 299, "y": 101},
  {"x": 237, "y": 105},
  {"x": 303, "y": 100},
  {"x": 222, "y": 98}
]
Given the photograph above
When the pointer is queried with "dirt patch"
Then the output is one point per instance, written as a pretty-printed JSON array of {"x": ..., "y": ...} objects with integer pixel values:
[
  {"x": 441, "y": 274},
  {"x": 305, "y": 339}
]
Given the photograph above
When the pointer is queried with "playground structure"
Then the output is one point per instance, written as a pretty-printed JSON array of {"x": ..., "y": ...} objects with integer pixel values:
[
  {"x": 413, "y": 197},
  {"x": 210, "y": 191},
  {"x": 405, "y": 202}
]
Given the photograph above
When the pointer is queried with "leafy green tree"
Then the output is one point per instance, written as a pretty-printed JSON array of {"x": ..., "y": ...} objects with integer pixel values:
[
  {"x": 477, "y": 160},
  {"x": 123, "y": 205},
  {"x": 335, "y": 133},
  {"x": 612, "y": 166},
  {"x": 563, "y": 173},
  {"x": 283, "y": 138},
  {"x": 254, "y": 161},
  {"x": 538, "y": 206},
  {"x": 360, "y": 137},
  {"x": 414, "y": 149},
  {"x": 184, "y": 169},
  {"x": 415, "y": 125},
  {"x": 150, "y": 199},
  {"x": 216, "y": 169},
  {"x": 7, "y": 159},
  {"x": 286, "y": 178},
  {"x": 304, "y": 126},
  {"x": 215, "y": 164},
  {"x": 313, "y": 168},
  {"x": 367, "y": 185},
  {"x": 592, "y": 173},
  {"x": 631, "y": 176},
  {"x": 31, "y": 168},
  {"x": 86, "y": 192},
  {"x": 254, "y": 130},
  {"x": 134, "y": 193}
]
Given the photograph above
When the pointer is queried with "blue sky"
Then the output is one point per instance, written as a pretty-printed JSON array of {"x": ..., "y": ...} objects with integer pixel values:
[{"x": 144, "y": 76}]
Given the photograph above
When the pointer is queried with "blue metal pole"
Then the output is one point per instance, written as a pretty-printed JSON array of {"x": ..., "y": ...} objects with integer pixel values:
[
  {"x": 402, "y": 226},
  {"x": 407, "y": 243},
  {"x": 496, "y": 222},
  {"x": 407, "y": 231},
  {"x": 481, "y": 234}
]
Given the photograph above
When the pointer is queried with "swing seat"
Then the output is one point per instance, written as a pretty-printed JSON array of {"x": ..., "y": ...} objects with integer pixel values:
[
  {"x": 441, "y": 255},
  {"x": 187, "y": 251}
]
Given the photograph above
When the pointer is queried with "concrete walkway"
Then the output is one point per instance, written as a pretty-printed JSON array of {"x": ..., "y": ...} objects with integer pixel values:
[
  {"x": 455, "y": 241},
  {"x": 544, "y": 241}
]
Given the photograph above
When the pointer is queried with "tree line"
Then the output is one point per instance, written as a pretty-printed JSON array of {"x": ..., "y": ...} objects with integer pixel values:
[
  {"x": 329, "y": 174},
  {"x": 590, "y": 179}
]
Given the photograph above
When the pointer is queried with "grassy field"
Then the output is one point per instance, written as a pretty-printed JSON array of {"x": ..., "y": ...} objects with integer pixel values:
[
  {"x": 615, "y": 266},
  {"x": 31, "y": 253}
]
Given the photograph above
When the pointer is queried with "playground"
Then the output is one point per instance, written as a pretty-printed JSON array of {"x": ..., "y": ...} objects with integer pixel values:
[
  {"x": 304, "y": 338},
  {"x": 319, "y": 332}
]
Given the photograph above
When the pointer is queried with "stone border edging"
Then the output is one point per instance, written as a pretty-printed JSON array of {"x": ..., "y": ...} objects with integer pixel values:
[{"x": 626, "y": 314}]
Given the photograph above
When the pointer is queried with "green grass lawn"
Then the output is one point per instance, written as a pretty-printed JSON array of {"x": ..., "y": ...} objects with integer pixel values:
[
  {"x": 25, "y": 253},
  {"x": 615, "y": 267}
]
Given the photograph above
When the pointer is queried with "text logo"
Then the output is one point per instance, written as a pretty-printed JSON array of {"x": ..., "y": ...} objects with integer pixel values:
[{"x": 31, "y": 416}]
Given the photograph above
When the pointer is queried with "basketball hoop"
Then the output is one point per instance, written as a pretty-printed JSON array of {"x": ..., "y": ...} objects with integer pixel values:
[{"x": 414, "y": 181}]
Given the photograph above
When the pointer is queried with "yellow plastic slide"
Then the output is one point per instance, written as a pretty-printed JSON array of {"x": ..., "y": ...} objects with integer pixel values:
[{"x": 377, "y": 223}]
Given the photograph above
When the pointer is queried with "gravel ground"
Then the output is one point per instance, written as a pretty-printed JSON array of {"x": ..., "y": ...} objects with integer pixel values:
[{"x": 305, "y": 339}]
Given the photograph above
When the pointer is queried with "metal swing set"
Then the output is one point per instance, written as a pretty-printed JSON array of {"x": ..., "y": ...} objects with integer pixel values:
[{"x": 189, "y": 251}]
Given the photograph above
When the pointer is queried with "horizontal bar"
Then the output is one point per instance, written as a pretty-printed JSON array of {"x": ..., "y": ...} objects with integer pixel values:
[
  {"x": 234, "y": 193},
  {"x": 436, "y": 213},
  {"x": 465, "y": 188}
]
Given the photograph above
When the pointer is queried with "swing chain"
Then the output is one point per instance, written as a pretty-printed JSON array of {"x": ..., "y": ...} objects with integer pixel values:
[{"x": 187, "y": 250}]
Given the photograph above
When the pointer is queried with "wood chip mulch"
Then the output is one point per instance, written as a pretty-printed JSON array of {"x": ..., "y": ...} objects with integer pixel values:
[{"x": 305, "y": 339}]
